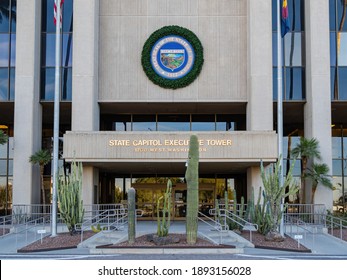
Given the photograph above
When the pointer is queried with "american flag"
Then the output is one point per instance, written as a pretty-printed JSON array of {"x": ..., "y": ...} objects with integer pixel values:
[{"x": 55, "y": 11}]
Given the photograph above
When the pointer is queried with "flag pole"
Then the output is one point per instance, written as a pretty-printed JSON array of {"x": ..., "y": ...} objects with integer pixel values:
[
  {"x": 56, "y": 118},
  {"x": 280, "y": 104}
]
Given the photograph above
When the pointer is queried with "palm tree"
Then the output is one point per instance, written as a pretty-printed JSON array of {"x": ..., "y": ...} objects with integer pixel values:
[
  {"x": 3, "y": 137},
  {"x": 306, "y": 149},
  {"x": 42, "y": 158},
  {"x": 319, "y": 174}
]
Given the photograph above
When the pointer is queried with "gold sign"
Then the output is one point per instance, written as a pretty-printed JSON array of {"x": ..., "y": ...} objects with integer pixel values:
[{"x": 167, "y": 145}]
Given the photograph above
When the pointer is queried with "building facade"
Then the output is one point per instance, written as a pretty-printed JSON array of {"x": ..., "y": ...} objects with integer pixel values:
[{"x": 129, "y": 131}]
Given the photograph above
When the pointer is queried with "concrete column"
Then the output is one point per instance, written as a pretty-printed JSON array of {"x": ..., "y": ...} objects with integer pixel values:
[
  {"x": 85, "y": 108},
  {"x": 254, "y": 181},
  {"x": 259, "y": 70},
  {"x": 317, "y": 113},
  {"x": 89, "y": 180},
  {"x": 28, "y": 111},
  {"x": 259, "y": 76}
]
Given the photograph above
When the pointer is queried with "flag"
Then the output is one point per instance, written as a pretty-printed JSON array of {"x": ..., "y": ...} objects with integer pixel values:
[
  {"x": 55, "y": 11},
  {"x": 285, "y": 26}
]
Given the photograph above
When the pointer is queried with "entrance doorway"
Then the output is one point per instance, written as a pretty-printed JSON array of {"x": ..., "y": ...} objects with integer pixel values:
[
  {"x": 113, "y": 189},
  {"x": 147, "y": 196}
]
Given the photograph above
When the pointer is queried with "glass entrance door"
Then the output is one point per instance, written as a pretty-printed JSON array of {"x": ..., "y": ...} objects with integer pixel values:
[{"x": 147, "y": 196}]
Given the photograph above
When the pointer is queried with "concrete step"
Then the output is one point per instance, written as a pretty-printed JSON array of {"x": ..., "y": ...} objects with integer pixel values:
[
  {"x": 226, "y": 238},
  {"x": 104, "y": 238}
]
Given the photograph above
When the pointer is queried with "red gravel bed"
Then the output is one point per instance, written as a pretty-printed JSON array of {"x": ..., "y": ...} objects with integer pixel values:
[
  {"x": 66, "y": 241},
  {"x": 289, "y": 244},
  {"x": 61, "y": 241},
  {"x": 141, "y": 242}
]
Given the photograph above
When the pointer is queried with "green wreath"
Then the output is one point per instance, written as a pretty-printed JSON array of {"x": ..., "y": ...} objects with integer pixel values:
[{"x": 167, "y": 31}]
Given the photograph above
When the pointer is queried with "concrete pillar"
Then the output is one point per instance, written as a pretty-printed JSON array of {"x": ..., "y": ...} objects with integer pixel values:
[
  {"x": 85, "y": 108},
  {"x": 28, "y": 111},
  {"x": 317, "y": 112},
  {"x": 259, "y": 70},
  {"x": 259, "y": 76},
  {"x": 89, "y": 180},
  {"x": 254, "y": 181}
]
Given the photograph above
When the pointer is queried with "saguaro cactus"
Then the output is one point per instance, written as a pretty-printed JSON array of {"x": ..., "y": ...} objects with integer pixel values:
[
  {"x": 164, "y": 221},
  {"x": 69, "y": 196},
  {"x": 192, "y": 178},
  {"x": 131, "y": 216}
]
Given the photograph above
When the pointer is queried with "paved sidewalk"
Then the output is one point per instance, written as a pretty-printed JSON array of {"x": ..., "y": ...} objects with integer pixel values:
[{"x": 319, "y": 243}]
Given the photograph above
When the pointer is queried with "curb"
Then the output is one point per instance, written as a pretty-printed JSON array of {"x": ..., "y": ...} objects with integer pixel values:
[{"x": 166, "y": 251}]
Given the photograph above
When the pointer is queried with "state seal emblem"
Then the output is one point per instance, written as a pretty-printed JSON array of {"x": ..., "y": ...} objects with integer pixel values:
[{"x": 172, "y": 57}]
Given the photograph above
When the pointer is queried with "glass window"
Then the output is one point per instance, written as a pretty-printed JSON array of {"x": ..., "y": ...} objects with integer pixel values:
[
  {"x": 203, "y": 123},
  {"x": 295, "y": 84},
  {"x": 67, "y": 15},
  {"x": 345, "y": 147},
  {"x": 4, "y": 49},
  {"x": 336, "y": 149},
  {"x": 337, "y": 167},
  {"x": 3, "y": 167},
  {"x": 332, "y": 48},
  {"x": 342, "y": 51},
  {"x": 174, "y": 123},
  {"x": 296, "y": 14},
  {"x": 144, "y": 123},
  {"x": 66, "y": 87},
  {"x": 122, "y": 123},
  {"x": 293, "y": 140},
  {"x": 274, "y": 82},
  {"x": 225, "y": 123},
  {"x": 274, "y": 15},
  {"x": 3, "y": 83},
  {"x": 14, "y": 15},
  {"x": 11, "y": 147},
  {"x": 10, "y": 167},
  {"x": 3, "y": 151},
  {"x": 293, "y": 49},
  {"x": 48, "y": 47},
  {"x": 47, "y": 83},
  {"x": 340, "y": 19},
  {"x": 47, "y": 16},
  {"x": 4, "y": 16},
  {"x": 13, "y": 50},
  {"x": 342, "y": 76},
  {"x": 296, "y": 170},
  {"x": 274, "y": 49},
  {"x": 332, "y": 14},
  {"x": 333, "y": 83},
  {"x": 12, "y": 83},
  {"x": 67, "y": 50}
]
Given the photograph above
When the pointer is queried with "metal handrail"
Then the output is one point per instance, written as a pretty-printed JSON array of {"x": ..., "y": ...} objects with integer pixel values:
[
  {"x": 333, "y": 222},
  {"x": 303, "y": 225},
  {"x": 5, "y": 221},
  {"x": 39, "y": 222},
  {"x": 217, "y": 226},
  {"x": 238, "y": 220},
  {"x": 101, "y": 217}
]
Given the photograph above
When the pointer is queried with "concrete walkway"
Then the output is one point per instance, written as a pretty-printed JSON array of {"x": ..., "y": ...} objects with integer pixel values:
[{"x": 319, "y": 243}]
